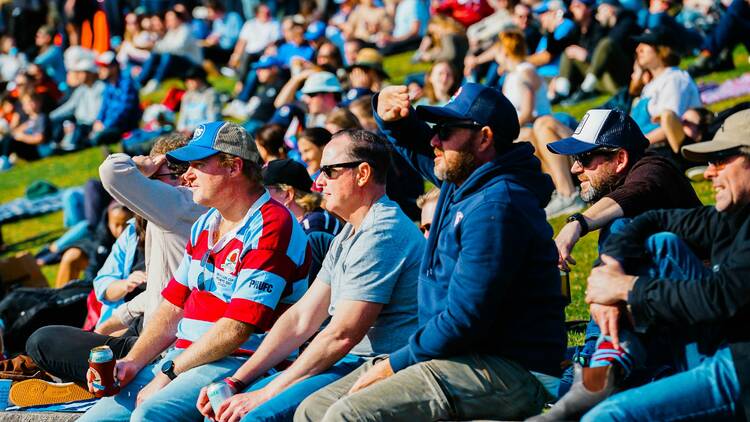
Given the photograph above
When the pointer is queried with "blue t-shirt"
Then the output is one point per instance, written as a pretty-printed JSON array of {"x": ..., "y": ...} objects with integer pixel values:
[
  {"x": 288, "y": 50},
  {"x": 407, "y": 12}
]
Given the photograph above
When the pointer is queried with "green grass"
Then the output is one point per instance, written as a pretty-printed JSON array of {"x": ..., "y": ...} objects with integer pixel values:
[{"x": 74, "y": 169}]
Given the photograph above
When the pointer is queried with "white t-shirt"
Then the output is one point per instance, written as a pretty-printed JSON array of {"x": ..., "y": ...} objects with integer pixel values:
[
  {"x": 673, "y": 90},
  {"x": 513, "y": 90},
  {"x": 258, "y": 35}
]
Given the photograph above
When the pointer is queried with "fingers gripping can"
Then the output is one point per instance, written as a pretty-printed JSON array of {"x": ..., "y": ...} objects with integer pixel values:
[
  {"x": 101, "y": 372},
  {"x": 217, "y": 393}
]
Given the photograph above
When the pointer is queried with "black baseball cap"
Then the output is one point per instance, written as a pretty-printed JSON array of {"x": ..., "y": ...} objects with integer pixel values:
[{"x": 287, "y": 172}]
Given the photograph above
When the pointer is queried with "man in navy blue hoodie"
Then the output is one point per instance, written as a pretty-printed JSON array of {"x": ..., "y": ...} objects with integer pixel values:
[{"x": 491, "y": 321}]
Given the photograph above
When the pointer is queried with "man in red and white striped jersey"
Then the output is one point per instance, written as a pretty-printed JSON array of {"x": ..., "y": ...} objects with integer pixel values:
[{"x": 245, "y": 263}]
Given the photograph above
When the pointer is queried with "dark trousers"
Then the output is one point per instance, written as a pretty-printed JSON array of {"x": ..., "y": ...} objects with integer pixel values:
[
  {"x": 64, "y": 351},
  {"x": 396, "y": 47},
  {"x": 732, "y": 29},
  {"x": 26, "y": 151},
  {"x": 162, "y": 66},
  {"x": 216, "y": 54},
  {"x": 609, "y": 63}
]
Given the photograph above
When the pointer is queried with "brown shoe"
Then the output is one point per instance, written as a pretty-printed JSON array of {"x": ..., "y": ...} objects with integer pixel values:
[
  {"x": 21, "y": 368},
  {"x": 39, "y": 393}
]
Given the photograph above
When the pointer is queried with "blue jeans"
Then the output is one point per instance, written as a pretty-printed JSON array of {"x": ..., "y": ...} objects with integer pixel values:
[
  {"x": 282, "y": 406},
  {"x": 175, "y": 402},
  {"x": 731, "y": 30},
  {"x": 708, "y": 390}
]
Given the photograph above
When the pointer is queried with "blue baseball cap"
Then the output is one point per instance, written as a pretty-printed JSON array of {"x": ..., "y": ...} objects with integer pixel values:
[
  {"x": 315, "y": 30},
  {"x": 602, "y": 129},
  {"x": 215, "y": 137},
  {"x": 354, "y": 93},
  {"x": 549, "y": 5},
  {"x": 283, "y": 115},
  {"x": 478, "y": 103},
  {"x": 266, "y": 62}
]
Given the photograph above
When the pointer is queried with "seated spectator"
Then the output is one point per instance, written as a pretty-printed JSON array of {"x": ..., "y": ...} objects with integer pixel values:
[
  {"x": 270, "y": 142},
  {"x": 409, "y": 26},
  {"x": 427, "y": 203},
  {"x": 11, "y": 60},
  {"x": 120, "y": 111},
  {"x": 466, "y": 13},
  {"x": 255, "y": 101},
  {"x": 695, "y": 310},
  {"x": 225, "y": 29},
  {"x": 340, "y": 119},
  {"x": 294, "y": 47},
  {"x": 80, "y": 110},
  {"x": 445, "y": 40},
  {"x": 310, "y": 143},
  {"x": 50, "y": 56},
  {"x": 600, "y": 61},
  {"x": 367, "y": 285},
  {"x": 558, "y": 32},
  {"x": 243, "y": 307},
  {"x": 459, "y": 303},
  {"x": 200, "y": 104},
  {"x": 137, "y": 41},
  {"x": 256, "y": 34},
  {"x": 368, "y": 23},
  {"x": 362, "y": 109},
  {"x": 30, "y": 139},
  {"x": 440, "y": 83},
  {"x": 321, "y": 93},
  {"x": 172, "y": 55},
  {"x": 367, "y": 71},
  {"x": 328, "y": 56},
  {"x": 717, "y": 47}
]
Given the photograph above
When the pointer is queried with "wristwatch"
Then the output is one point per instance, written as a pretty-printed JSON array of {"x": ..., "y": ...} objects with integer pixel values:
[
  {"x": 581, "y": 220},
  {"x": 168, "y": 369}
]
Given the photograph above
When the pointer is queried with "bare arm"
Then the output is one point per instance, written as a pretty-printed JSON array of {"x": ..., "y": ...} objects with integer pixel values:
[
  {"x": 539, "y": 59},
  {"x": 672, "y": 128},
  {"x": 157, "y": 335},
  {"x": 530, "y": 85},
  {"x": 657, "y": 135},
  {"x": 600, "y": 214},
  {"x": 286, "y": 95},
  {"x": 224, "y": 337}
]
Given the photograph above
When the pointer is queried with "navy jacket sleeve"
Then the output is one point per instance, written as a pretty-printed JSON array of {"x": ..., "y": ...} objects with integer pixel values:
[
  {"x": 492, "y": 244},
  {"x": 410, "y": 138}
]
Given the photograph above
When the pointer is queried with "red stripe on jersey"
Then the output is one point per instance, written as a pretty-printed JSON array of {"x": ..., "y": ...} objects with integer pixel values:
[
  {"x": 176, "y": 293},
  {"x": 247, "y": 311},
  {"x": 273, "y": 261},
  {"x": 204, "y": 306},
  {"x": 277, "y": 227}
]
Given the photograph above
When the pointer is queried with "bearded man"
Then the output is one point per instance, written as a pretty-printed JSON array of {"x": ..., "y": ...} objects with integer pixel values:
[{"x": 490, "y": 304}]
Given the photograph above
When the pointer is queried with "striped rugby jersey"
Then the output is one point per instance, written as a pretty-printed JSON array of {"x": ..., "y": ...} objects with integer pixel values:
[{"x": 252, "y": 274}]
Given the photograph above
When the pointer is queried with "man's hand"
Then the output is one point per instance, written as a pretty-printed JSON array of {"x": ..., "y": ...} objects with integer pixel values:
[
  {"x": 359, "y": 78},
  {"x": 608, "y": 283},
  {"x": 204, "y": 405},
  {"x": 239, "y": 405},
  {"x": 98, "y": 126},
  {"x": 576, "y": 52},
  {"x": 380, "y": 371},
  {"x": 393, "y": 103},
  {"x": 148, "y": 166},
  {"x": 160, "y": 381},
  {"x": 135, "y": 279},
  {"x": 566, "y": 241},
  {"x": 110, "y": 326},
  {"x": 125, "y": 371},
  {"x": 607, "y": 317}
]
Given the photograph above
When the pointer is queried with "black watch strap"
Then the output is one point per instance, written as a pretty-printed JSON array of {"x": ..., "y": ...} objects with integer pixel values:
[
  {"x": 168, "y": 369},
  {"x": 581, "y": 220}
]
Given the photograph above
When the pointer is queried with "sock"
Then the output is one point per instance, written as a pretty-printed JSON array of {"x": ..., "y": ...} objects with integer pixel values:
[
  {"x": 606, "y": 354},
  {"x": 562, "y": 86},
  {"x": 589, "y": 83}
]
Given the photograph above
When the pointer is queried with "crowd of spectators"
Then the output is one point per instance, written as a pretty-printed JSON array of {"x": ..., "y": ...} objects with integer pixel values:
[{"x": 270, "y": 139}]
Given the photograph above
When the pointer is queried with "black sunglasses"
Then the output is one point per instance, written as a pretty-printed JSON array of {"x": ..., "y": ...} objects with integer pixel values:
[
  {"x": 586, "y": 158},
  {"x": 173, "y": 176},
  {"x": 329, "y": 169},
  {"x": 444, "y": 130}
]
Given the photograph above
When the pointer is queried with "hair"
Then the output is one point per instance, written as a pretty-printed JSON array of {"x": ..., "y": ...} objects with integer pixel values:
[
  {"x": 216, "y": 5},
  {"x": 48, "y": 29},
  {"x": 430, "y": 196},
  {"x": 668, "y": 55},
  {"x": 343, "y": 118},
  {"x": 308, "y": 201},
  {"x": 168, "y": 142},
  {"x": 271, "y": 138},
  {"x": 429, "y": 90},
  {"x": 513, "y": 44},
  {"x": 364, "y": 104},
  {"x": 318, "y": 136},
  {"x": 370, "y": 148},
  {"x": 250, "y": 169}
]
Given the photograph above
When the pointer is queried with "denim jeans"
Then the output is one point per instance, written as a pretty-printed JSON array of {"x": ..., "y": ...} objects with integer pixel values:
[
  {"x": 731, "y": 30},
  {"x": 708, "y": 390},
  {"x": 282, "y": 406},
  {"x": 175, "y": 402}
]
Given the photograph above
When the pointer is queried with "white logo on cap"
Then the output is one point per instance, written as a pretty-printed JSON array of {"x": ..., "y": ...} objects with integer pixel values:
[
  {"x": 284, "y": 111},
  {"x": 199, "y": 131},
  {"x": 579, "y": 128}
]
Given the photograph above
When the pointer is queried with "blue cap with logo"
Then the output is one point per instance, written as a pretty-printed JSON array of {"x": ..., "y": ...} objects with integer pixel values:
[
  {"x": 315, "y": 30},
  {"x": 602, "y": 129},
  {"x": 215, "y": 137},
  {"x": 480, "y": 104},
  {"x": 266, "y": 62},
  {"x": 283, "y": 115}
]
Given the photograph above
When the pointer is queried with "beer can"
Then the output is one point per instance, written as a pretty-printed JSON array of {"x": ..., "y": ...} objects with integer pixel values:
[
  {"x": 101, "y": 373},
  {"x": 101, "y": 354},
  {"x": 218, "y": 392}
]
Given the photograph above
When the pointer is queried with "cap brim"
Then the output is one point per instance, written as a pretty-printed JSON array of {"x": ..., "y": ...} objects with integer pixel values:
[
  {"x": 645, "y": 39},
  {"x": 383, "y": 74},
  {"x": 190, "y": 153},
  {"x": 437, "y": 114},
  {"x": 704, "y": 151},
  {"x": 571, "y": 146}
]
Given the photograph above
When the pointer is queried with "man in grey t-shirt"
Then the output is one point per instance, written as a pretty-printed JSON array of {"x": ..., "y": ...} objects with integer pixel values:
[{"x": 367, "y": 284}]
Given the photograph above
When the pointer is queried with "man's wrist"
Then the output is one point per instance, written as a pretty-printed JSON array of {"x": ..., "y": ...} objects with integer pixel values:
[{"x": 627, "y": 287}]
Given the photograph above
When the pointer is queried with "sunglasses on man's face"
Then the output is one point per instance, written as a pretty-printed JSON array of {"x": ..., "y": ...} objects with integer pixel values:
[
  {"x": 722, "y": 160},
  {"x": 445, "y": 130},
  {"x": 585, "y": 159},
  {"x": 330, "y": 170}
]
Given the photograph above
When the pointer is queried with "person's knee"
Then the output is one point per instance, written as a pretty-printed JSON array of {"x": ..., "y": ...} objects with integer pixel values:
[
  {"x": 342, "y": 410},
  {"x": 311, "y": 409},
  {"x": 38, "y": 342},
  {"x": 662, "y": 243},
  {"x": 543, "y": 122},
  {"x": 72, "y": 255},
  {"x": 608, "y": 410},
  {"x": 149, "y": 410}
]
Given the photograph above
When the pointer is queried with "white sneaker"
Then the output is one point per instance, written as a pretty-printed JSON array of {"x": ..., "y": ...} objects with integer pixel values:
[
  {"x": 150, "y": 87},
  {"x": 561, "y": 205},
  {"x": 236, "y": 109}
]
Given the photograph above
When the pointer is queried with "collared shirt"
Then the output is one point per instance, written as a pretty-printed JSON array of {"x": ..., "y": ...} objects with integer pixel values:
[{"x": 251, "y": 274}]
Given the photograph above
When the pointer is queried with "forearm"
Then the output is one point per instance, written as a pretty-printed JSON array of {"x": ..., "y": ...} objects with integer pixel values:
[
  {"x": 116, "y": 290},
  {"x": 657, "y": 135},
  {"x": 603, "y": 212},
  {"x": 539, "y": 59},
  {"x": 287, "y": 92},
  {"x": 157, "y": 335},
  {"x": 223, "y": 339}
]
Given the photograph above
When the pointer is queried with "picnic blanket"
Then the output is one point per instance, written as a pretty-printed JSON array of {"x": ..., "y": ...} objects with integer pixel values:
[
  {"x": 24, "y": 207},
  {"x": 713, "y": 93}
]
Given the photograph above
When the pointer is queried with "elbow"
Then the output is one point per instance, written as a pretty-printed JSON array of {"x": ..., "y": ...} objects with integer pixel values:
[{"x": 340, "y": 340}]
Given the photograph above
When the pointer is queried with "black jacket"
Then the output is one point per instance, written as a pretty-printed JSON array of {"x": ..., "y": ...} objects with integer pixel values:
[{"x": 719, "y": 303}]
